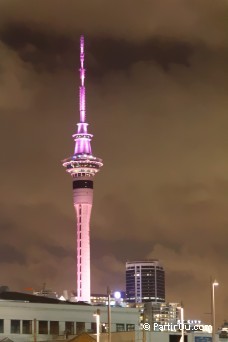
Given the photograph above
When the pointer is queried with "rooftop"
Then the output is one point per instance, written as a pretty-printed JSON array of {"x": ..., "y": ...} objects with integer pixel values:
[{"x": 25, "y": 297}]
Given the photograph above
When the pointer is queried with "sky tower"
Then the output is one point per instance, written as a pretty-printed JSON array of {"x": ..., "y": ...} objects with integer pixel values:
[{"x": 82, "y": 167}]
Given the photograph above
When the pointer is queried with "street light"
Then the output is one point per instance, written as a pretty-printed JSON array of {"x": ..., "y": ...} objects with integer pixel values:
[
  {"x": 109, "y": 313},
  {"x": 97, "y": 315},
  {"x": 182, "y": 322},
  {"x": 213, "y": 284}
]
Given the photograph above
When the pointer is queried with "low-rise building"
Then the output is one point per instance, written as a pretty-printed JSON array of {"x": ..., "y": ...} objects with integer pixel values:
[{"x": 25, "y": 318}]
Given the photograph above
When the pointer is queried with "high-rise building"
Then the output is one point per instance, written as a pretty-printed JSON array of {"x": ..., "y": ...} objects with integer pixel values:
[
  {"x": 83, "y": 166},
  {"x": 145, "y": 281},
  {"x": 161, "y": 313}
]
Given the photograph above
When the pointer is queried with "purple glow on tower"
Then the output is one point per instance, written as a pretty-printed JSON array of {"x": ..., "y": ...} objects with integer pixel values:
[
  {"x": 82, "y": 166},
  {"x": 82, "y": 87},
  {"x": 82, "y": 138}
]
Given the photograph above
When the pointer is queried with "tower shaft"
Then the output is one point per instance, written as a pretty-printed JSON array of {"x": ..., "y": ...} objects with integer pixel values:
[{"x": 83, "y": 200}]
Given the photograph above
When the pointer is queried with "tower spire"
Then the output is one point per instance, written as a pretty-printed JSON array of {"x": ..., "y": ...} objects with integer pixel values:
[
  {"x": 82, "y": 138},
  {"x": 82, "y": 105}
]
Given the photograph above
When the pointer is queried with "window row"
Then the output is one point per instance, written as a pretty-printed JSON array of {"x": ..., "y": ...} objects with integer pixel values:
[
  {"x": 25, "y": 327},
  {"x": 121, "y": 327},
  {"x": 53, "y": 328}
]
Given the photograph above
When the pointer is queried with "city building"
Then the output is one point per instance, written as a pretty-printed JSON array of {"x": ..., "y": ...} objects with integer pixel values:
[
  {"x": 161, "y": 313},
  {"x": 83, "y": 166},
  {"x": 223, "y": 331},
  {"x": 145, "y": 281},
  {"x": 26, "y": 317},
  {"x": 117, "y": 298}
]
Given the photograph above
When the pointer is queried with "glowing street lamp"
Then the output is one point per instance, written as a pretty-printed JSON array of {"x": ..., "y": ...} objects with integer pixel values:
[
  {"x": 109, "y": 313},
  {"x": 97, "y": 315},
  {"x": 182, "y": 322},
  {"x": 117, "y": 295},
  {"x": 213, "y": 284}
]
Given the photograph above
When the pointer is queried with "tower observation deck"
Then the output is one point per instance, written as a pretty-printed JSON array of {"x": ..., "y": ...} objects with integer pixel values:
[{"x": 83, "y": 166}]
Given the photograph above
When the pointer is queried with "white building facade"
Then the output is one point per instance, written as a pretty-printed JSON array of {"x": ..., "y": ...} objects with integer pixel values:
[{"x": 25, "y": 322}]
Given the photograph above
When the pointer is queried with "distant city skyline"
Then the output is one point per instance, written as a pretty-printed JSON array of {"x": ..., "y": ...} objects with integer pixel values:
[{"x": 157, "y": 106}]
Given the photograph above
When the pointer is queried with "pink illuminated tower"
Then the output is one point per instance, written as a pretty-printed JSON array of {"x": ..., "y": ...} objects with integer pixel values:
[{"x": 82, "y": 166}]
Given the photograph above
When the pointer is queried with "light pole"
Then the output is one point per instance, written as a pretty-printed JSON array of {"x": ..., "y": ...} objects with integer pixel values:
[
  {"x": 182, "y": 322},
  {"x": 109, "y": 314},
  {"x": 213, "y": 284},
  {"x": 97, "y": 315}
]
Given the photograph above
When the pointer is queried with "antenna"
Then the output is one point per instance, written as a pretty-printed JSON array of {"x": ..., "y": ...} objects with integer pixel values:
[{"x": 82, "y": 87}]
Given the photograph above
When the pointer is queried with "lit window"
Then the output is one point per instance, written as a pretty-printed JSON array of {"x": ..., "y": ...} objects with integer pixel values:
[
  {"x": 120, "y": 327},
  {"x": 130, "y": 327}
]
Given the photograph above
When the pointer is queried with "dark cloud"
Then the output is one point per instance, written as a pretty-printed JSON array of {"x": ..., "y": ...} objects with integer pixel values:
[
  {"x": 9, "y": 254},
  {"x": 157, "y": 106},
  {"x": 59, "y": 251},
  {"x": 192, "y": 20}
]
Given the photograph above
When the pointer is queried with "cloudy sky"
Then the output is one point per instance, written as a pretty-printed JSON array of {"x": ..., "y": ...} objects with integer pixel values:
[{"x": 157, "y": 82}]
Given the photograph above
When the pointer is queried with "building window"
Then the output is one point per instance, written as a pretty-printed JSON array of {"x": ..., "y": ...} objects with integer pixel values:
[
  {"x": 43, "y": 327},
  {"x": 69, "y": 326},
  {"x": 1, "y": 326},
  {"x": 93, "y": 327},
  {"x": 80, "y": 327},
  {"x": 120, "y": 327},
  {"x": 26, "y": 327},
  {"x": 130, "y": 327},
  {"x": 54, "y": 327},
  {"x": 15, "y": 326}
]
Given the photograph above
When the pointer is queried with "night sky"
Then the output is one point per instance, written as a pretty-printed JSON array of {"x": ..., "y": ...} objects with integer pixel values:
[{"x": 157, "y": 82}]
